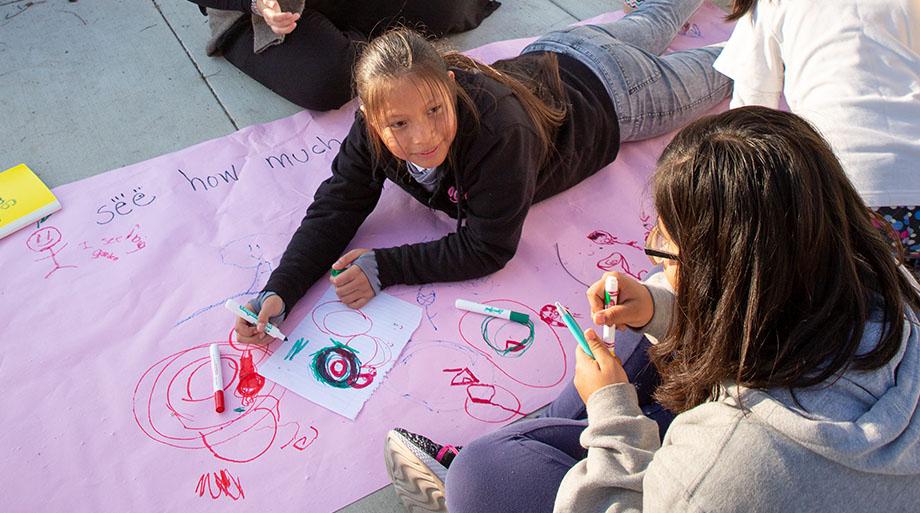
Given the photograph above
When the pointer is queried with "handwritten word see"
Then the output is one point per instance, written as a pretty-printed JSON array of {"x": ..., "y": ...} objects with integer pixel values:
[{"x": 122, "y": 207}]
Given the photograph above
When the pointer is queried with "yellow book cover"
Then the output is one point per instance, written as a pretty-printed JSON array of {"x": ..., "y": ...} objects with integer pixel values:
[{"x": 24, "y": 198}]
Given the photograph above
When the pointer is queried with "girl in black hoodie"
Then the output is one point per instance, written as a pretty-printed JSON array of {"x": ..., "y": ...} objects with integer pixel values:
[{"x": 483, "y": 143}]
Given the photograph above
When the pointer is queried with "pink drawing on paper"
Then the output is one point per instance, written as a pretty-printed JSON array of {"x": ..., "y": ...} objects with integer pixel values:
[{"x": 46, "y": 240}]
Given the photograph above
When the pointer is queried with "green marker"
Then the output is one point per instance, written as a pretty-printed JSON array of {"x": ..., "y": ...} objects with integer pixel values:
[
  {"x": 336, "y": 272},
  {"x": 574, "y": 328},
  {"x": 492, "y": 311}
]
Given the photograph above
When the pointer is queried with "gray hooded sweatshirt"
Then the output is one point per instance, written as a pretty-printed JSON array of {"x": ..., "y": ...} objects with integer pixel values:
[{"x": 851, "y": 444}]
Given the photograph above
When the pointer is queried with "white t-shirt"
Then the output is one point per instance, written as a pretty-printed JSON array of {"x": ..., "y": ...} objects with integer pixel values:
[{"x": 851, "y": 68}]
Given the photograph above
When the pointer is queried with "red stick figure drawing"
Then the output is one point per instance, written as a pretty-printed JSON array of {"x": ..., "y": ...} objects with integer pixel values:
[
  {"x": 44, "y": 240},
  {"x": 604, "y": 238}
]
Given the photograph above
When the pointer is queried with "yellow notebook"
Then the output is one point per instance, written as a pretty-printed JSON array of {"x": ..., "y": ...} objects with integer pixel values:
[{"x": 24, "y": 198}]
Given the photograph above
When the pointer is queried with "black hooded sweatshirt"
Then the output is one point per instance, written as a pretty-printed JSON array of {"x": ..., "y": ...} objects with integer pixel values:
[{"x": 493, "y": 177}]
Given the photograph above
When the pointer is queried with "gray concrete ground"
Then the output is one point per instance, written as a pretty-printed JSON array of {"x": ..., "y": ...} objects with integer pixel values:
[{"x": 92, "y": 86}]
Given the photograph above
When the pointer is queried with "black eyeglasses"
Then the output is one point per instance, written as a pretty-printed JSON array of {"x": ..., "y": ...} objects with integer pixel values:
[
  {"x": 657, "y": 256},
  {"x": 657, "y": 247}
]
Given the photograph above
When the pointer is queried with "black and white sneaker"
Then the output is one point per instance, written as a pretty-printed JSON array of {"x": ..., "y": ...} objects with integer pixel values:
[{"x": 418, "y": 468}]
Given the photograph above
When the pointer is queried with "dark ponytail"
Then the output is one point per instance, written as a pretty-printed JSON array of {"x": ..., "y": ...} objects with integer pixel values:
[{"x": 740, "y": 8}]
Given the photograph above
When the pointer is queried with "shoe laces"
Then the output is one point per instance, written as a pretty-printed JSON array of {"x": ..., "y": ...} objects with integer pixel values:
[{"x": 443, "y": 454}]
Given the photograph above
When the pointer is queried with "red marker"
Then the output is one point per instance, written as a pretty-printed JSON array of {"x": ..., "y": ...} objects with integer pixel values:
[{"x": 218, "y": 379}]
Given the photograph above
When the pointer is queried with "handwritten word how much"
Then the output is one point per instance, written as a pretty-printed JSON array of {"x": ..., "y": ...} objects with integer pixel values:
[{"x": 302, "y": 156}]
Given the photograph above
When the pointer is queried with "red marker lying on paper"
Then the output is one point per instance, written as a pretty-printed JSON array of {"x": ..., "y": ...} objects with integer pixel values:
[{"x": 217, "y": 378}]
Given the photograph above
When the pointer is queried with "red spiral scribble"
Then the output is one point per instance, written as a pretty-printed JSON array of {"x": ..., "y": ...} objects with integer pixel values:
[{"x": 173, "y": 404}]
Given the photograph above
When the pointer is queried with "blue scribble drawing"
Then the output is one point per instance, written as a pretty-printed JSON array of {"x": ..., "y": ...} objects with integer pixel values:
[
  {"x": 425, "y": 298},
  {"x": 245, "y": 253}
]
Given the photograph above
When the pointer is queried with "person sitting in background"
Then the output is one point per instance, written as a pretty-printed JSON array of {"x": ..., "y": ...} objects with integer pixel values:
[
  {"x": 305, "y": 50},
  {"x": 857, "y": 79}
]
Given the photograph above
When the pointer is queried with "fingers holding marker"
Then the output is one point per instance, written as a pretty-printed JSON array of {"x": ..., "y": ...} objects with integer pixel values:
[
  {"x": 613, "y": 315},
  {"x": 264, "y": 316},
  {"x": 357, "y": 293},
  {"x": 348, "y": 280},
  {"x": 633, "y": 306},
  {"x": 255, "y": 328},
  {"x": 602, "y": 354},
  {"x": 349, "y": 257},
  {"x": 595, "y": 294},
  {"x": 247, "y": 333},
  {"x": 245, "y": 329},
  {"x": 592, "y": 374},
  {"x": 351, "y": 284}
]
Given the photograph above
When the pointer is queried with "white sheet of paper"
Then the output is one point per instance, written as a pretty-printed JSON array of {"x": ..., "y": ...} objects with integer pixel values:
[{"x": 338, "y": 356}]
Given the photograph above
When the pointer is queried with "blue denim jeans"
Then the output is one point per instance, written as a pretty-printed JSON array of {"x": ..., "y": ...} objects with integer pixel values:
[
  {"x": 520, "y": 466},
  {"x": 652, "y": 94}
]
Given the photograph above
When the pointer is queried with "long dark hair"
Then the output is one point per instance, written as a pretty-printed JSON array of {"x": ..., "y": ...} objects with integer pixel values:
[
  {"x": 402, "y": 51},
  {"x": 780, "y": 267},
  {"x": 740, "y": 8}
]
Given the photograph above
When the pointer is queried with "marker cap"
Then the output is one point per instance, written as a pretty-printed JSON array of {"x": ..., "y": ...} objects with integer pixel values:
[
  {"x": 219, "y": 401},
  {"x": 519, "y": 317}
]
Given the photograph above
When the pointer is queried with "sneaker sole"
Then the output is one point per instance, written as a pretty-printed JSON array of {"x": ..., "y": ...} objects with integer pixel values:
[{"x": 416, "y": 484}]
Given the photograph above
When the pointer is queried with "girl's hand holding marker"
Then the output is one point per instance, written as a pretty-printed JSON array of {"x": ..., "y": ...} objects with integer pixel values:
[
  {"x": 592, "y": 374},
  {"x": 351, "y": 284},
  {"x": 595, "y": 365},
  {"x": 615, "y": 299},
  {"x": 261, "y": 331},
  {"x": 633, "y": 306}
]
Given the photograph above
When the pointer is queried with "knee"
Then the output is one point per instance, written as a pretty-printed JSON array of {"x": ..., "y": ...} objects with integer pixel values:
[
  {"x": 323, "y": 92},
  {"x": 471, "y": 476},
  {"x": 470, "y": 463}
]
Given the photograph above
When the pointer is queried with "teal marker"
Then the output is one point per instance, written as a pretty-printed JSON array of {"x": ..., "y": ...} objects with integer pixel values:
[
  {"x": 574, "y": 328},
  {"x": 492, "y": 311},
  {"x": 336, "y": 272}
]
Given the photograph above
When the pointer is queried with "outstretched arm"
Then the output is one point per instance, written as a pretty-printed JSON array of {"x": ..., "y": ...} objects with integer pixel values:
[{"x": 340, "y": 206}]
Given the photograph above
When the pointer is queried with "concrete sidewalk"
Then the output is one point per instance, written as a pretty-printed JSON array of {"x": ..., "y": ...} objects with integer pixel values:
[{"x": 92, "y": 86}]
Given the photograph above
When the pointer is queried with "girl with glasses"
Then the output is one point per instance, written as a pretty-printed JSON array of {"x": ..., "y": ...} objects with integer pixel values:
[{"x": 789, "y": 347}]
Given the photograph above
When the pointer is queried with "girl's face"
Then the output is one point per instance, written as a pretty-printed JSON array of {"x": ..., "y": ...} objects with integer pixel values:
[{"x": 417, "y": 123}]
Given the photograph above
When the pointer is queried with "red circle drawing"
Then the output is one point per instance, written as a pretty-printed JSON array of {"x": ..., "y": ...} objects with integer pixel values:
[{"x": 173, "y": 405}]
